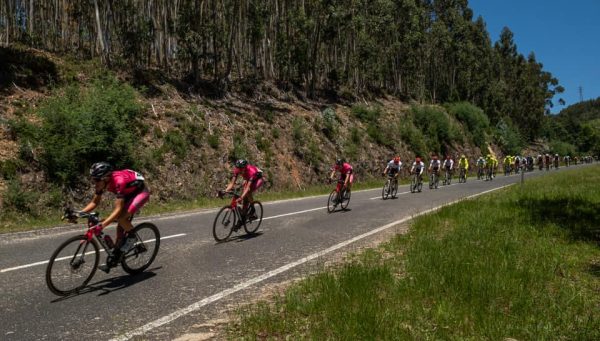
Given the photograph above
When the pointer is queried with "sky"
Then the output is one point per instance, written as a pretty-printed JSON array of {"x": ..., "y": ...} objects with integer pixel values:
[{"x": 564, "y": 35}]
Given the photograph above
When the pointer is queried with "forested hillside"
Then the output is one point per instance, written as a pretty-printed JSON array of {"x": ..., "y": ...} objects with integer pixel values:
[
  {"x": 178, "y": 88},
  {"x": 575, "y": 129}
]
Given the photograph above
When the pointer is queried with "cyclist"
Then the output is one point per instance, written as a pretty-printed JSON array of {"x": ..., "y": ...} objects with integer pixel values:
[
  {"x": 480, "y": 166},
  {"x": 547, "y": 161},
  {"x": 506, "y": 163},
  {"x": 556, "y": 161},
  {"x": 132, "y": 194},
  {"x": 494, "y": 166},
  {"x": 435, "y": 165},
  {"x": 449, "y": 164},
  {"x": 394, "y": 167},
  {"x": 463, "y": 164},
  {"x": 418, "y": 167},
  {"x": 253, "y": 180},
  {"x": 517, "y": 162},
  {"x": 346, "y": 173}
]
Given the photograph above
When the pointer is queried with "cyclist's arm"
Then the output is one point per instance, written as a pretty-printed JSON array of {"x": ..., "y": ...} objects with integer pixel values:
[
  {"x": 116, "y": 213},
  {"x": 347, "y": 179},
  {"x": 93, "y": 204},
  {"x": 386, "y": 169},
  {"x": 332, "y": 174},
  {"x": 246, "y": 189},
  {"x": 231, "y": 183}
]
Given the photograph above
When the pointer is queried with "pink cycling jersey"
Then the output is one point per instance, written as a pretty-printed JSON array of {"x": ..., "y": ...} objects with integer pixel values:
[
  {"x": 344, "y": 169},
  {"x": 248, "y": 173},
  {"x": 125, "y": 182}
]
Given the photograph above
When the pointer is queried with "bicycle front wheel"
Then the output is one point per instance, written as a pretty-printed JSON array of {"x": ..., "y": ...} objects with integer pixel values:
[
  {"x": 345, "y": 199},
  {"x": 386, "y": 190},
  {"x": 145, "y": 249},
  {"x": 224, "y": 223},
  {"x": 252, "y": 225},
  {"x": 72, "y": 265},
  {"x": 332, "y": 202}
]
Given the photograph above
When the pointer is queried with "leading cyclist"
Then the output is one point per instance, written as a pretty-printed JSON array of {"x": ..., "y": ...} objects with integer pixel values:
[
  {"x": 346, "y": 173},
  {"x": 393, "y": 168},
  {"x": 132, "y": 194}
]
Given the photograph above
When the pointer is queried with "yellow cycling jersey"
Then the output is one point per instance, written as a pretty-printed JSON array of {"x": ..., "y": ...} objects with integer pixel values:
[{"x": 463, "y": 163}]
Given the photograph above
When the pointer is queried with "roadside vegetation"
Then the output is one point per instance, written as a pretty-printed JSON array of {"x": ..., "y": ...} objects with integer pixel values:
[{"x": 521, "y": 263}]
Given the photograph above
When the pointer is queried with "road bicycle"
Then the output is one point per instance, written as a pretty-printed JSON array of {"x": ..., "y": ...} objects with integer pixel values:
[
  {"x": 462, "y": 176},
  {"x": 390, "y": 188},
  {"x": 434, "y": 180},
  {"x": 232, "y": 217},
  {"x": 339, "y": 196},
  {"x": 75, "y": 261},
  {"x": 447, "y": 177},
  {"x": 416, "y": 184},
  {"x": 479, "y": 172},
  {"x": 489, "y": 174}
]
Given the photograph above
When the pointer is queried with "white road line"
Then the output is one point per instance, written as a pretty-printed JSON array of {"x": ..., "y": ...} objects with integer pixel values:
[
  {"x": 293, "y": 213},
  {"x": 208, "y": 300},
  {"x": 397, "y": 194},
  {"x": 87, "y": 253}
]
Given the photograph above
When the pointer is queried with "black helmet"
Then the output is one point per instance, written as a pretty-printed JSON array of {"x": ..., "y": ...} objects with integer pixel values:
[
  {"x": 241, "y": 163},
  {"x": 100, "y": 170},
  {"x": 339, "y": 162}
]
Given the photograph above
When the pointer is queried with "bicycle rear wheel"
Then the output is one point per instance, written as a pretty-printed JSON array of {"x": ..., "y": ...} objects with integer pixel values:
[
  {"x": 252, "y": 225},
  {"x": 224, "y": 223},
  {"x": 394, "y": 191},
  {"x": 332, "y": 202},
  {"x": 145, "y": 249},
  {"x": 72, "y": 265}
]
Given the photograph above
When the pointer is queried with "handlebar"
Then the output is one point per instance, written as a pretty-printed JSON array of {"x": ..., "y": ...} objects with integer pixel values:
[
  {"x": 233, "y": 193},
  {"x": 72, "y": 215}
]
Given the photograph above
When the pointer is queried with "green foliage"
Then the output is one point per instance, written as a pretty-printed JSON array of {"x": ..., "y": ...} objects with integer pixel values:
[
  {"x": 414, "y": 138},
  {"x": 18, "y": 199},
  {"x": 298, "y": 130},
  {"x": 83, "y": 126},
  {"x": 508, "y": 138},
  {"x": 355, "y": 135},
  {"x": 275, "y": 132},
  {"x": 213, "y": 140},
  {"x": 562, "y": 148},
  {"x": 329, "y": 123},
  {"x": 239, "y": 150},
  {"x": 436, "y": 126},
  {"x": 366, "y": 114},
  {"x": 176, "y": 143},
  {"x": 10, "y": 168},
  {"x": 474, "y": 119}
]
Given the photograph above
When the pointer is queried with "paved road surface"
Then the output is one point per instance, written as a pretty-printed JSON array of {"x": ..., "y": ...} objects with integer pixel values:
[{"x": 192, "y": 273}]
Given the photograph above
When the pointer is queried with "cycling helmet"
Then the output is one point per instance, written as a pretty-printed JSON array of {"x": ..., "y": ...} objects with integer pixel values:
[
  {"x": 339, "y": 162},
  {"x": 100, "y": 170},
  {"x": 397, "y": 159},
  {"x": 241, "y": 163},
  {"x": 462, "y": 156}
]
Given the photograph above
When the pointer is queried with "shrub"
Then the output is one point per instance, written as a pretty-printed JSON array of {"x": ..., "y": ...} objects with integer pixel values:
[
  {"x": 213, "y": 140},
  {"x": 9, "y": 168},
  {"x": 413, "y": 137},
  {"x": 298, "y": 130},
  {"x": 474, "y": 119},
  {"x": 176, "y": 143},
  {"x": 330, "y": 123},
  {"x": 366, "y": 114},
  {"x": 563, "y": 148},
  {"x": 18, "y": 199},
  {"x": 275, "y": 132},
  {"x": 508, "y": 138},
  {"x": 239, "y": 150},
  {"x": 436, "y": 126},
  {"x": 355, "y": 135},
  {"x": 82, "y": 126}
]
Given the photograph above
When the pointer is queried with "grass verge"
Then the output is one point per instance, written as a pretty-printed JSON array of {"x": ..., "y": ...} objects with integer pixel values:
[{"x": 520, "y": 263}]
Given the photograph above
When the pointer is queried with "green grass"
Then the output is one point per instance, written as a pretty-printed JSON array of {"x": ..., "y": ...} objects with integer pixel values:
[
  {"x": 519, "y": 263},
  {"x": 14, "y": 222}
]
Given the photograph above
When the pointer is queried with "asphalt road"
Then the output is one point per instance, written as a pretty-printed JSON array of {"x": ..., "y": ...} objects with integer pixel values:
[{"x": 192, "y": 273}]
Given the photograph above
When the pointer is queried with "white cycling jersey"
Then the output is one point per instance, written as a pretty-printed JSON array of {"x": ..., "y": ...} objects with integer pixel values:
[
  {"x": 448, "y": 163},
  {"x": 418, "y": 167},
  {"x": 393, "y": 165},
  {"x": 434, "y": 164}
]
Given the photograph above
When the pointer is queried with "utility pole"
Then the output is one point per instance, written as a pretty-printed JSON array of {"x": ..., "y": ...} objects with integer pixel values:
[{"x": 580, "y": 93}]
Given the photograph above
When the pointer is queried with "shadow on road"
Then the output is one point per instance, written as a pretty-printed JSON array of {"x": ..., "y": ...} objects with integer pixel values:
[
  {"x": 109, "y": 285},
  {"x": 241, "y": 238}
]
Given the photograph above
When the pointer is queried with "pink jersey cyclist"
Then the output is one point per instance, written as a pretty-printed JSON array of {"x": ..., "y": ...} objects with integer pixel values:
[
  {"x": 346, "y": 172},
  {"x": 250, "y": 173},
  {"x": 130, "y": 186},
  {"x": 132, "y": 194}
]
